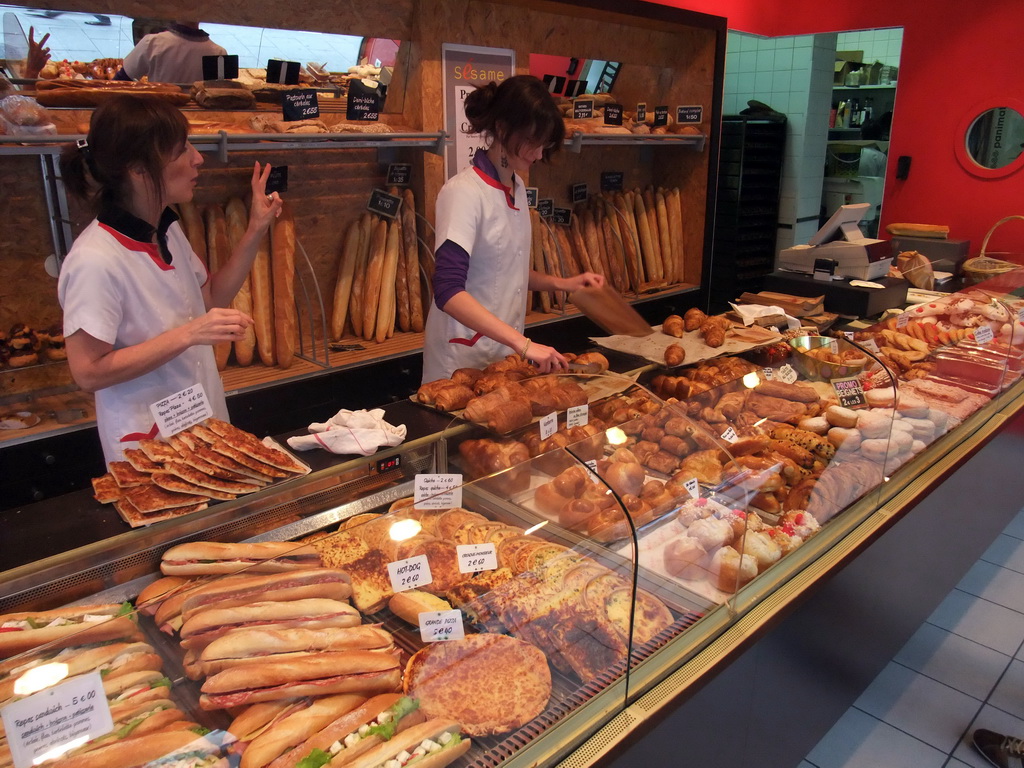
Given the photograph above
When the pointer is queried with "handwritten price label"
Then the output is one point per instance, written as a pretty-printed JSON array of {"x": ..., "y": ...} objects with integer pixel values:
[
  {"x": 436, "y": 626},
  {"x": 181, "y": 410},
  {"x": 577, "y": 416},
  {"x": 438, "y": 491},
  {"x": 983, "y": 335},
  {"x": 410, "y": 573},
  {"x": 300, "y": 105},
  {"x": 902, "y": 320},
  {"x": 730, "y": 435},
  {"x": 768, "y": 373},
  {"x": 476, "y": 557},
  {"x": 692, "y": 487},
  {"x": 548, "y": 425},
  {"x": 787, "y": 374},
  {"x": 870, "y": 345}
]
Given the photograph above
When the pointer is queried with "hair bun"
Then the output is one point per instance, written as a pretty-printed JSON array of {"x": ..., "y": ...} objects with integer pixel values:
[{"x": 478, "y": 104}]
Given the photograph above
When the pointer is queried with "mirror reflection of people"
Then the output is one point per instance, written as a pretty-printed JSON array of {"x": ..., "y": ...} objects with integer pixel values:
[
  {"x": 483, "y": 227},
  {"x": 172, "y": 56},
  {"x": 141, "y": 313},
  {"x": 38, "y": 55}
]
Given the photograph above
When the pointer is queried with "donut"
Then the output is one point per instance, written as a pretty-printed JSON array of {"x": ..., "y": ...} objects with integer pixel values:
[
  {"x": 731, "y": 569},
  {"x": 762, "y": 548},
  {"x": 711, "y": 532},
  {"x": 819, "y": 425},
  {"x": 686, "y": 558},
  {"x": 840, "y": 436},
  {"x": 838, "y": 416},
  {"x": 874, "y": 448},
  {"x": 883, "y": 397}
]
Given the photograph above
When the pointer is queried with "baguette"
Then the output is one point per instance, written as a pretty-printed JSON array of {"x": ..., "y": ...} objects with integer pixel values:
[
  {"x": 568, "y": 262},
  {"x": 346, "y": 272},
  {"x": 355, "y": 305},
  {"x": 130, "y": 753},
  {"x": 630, "y": 251},
  {"x": 410, "y": 604},
  {"x": 237, "y": 220},
  {"x": 295, "y": 727},
  {"x": 937, "y": 231},
  {"x": 263, "y": 301},
  {"x": 551, "y": 261},
  {"x": 234, "y": 591},
  {"x": 675, "y": 225},
  {"x": 218, "y": 250},
  {"x": 389, "y": 271},
  {"x": 580, "y": 244},
  {"x": 589, "y": 228},
  {"x": 651, "y": 209},
  {"x": 374, "y": 272},
  {"x": 613, "y": 249},
  {"x": 209, "y": 558},
  {"x": 402, "y": 301},
  {"x": 665, "y": 236},
  {"x": 195, "y": 232},
  {"x": 444, "y": 733},
  {"x": 286, "y": 324},
  {"x": 81, "y": 625},
  {"x": 537, "y": 254},
  {"x": 412, "y": 262}
]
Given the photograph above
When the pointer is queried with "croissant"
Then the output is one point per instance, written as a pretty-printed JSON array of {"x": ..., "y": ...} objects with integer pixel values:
[
  {"x": 453, "y": 397},
  {"x": 713, "y": 332},
  {"x": 693, "y": 319},
  {"x": 675, "y": 354},
  {"x": 673, "y": 326}
]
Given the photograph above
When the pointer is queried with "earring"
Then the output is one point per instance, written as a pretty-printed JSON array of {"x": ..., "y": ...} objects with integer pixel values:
[{"x": 504, "y": 160}]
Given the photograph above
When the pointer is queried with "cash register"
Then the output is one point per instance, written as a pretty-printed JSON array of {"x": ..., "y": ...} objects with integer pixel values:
[{"x": 842, "y": 248}]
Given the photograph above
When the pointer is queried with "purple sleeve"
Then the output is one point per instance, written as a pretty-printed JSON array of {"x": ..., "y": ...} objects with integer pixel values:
[{"x": 450, "y": 270}]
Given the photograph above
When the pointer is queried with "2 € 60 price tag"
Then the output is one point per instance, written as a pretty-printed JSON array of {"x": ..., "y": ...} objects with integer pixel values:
[
  {"x": 476, "y": 557},
  {"x": 410, "y": 573},
  {"x": 181, "y": 410},
  {"x": 436, "y": 626}
]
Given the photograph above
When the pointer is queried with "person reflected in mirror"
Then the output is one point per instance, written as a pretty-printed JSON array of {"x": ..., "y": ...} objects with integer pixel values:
[
  {"x": 38, "y": 55},
  {"x": 483, "y": 230},
  {"x": 141, "y": 312},
  {"x": 1002, "y": 751},
  {"x": 101, "y": 20},
  {"x": 172, "y": 56}
]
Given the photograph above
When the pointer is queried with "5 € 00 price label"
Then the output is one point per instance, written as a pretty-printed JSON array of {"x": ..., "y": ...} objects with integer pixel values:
[
  {"x": 438, "y": 491},
  {"x": 548, "y": 425},
  {"x": 63, "y": 715},
  {"x": 411, "y": 573},
  {"x": 787, "y": 374},
  {"x": 476, "y": 557},
  {"x": 436, "y": 626},
  {"x": 577, "y": 416},
  {"x": 692, "y": 487},
  {"x": 181, "y": 410}
]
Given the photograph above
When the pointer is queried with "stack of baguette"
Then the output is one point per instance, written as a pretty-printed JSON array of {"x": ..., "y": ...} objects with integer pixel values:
[
  {"x": 268, "y": 293},
  {"x": 634, "y": 238},
  {"x": 379, "y": 288}
]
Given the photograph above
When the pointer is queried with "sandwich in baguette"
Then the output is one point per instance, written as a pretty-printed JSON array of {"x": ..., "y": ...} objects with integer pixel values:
[
  {"x": 365, "y": 727},
  {"x": 135, "y": 687},
  {"x": 167, "y": 614},
  {"x": 365, "y": 672},
  {"x": 209, "y": 558},
  {"x": 242, "y": 590},
  {"x": 154, "y": 594},
  {"x": 252, "y": 721},
  {"x": 64, "y": 627},
  {"x": 311, "y": 613},
  {"x": 242, "y": 647},
  {"x": 182, "y": 748},
  {"x": 294, "y": 727},
  {"x": 432, "y": 744}
]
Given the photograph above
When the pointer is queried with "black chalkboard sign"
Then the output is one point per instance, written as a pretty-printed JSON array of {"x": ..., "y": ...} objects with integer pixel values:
[
  {"x": 641, "y": 112},
  {"x": 563, "y": 216},
  {"x": 364, "y": 102},
  {"x": 578, "y": 193},
  {"x": 613, "y": 114},
  {"x": 546, "y": 207},
  {"x": 283, "y": 72},
  {"x": 582, "y": 109},
  {"x": 531, "y": 197},
  {"x": 278, "y": 179},
  {"x": 612, "y": 181},
  {"x": 399, "y": 174},
  {"x": 383, "y": 203},
  {"x": 220, "y": 67},
  {"x": 689, "y": 114},
  {"x": 660, "y": 116}
]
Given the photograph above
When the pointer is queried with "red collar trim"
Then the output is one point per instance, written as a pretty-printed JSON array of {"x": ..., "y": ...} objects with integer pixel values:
[
  {"x": 492, "y": 182},
  {"x": 150, "y": 249}
]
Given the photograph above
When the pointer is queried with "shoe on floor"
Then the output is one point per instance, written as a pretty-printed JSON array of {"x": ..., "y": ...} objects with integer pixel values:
[{"x": 1002, "y": 751}]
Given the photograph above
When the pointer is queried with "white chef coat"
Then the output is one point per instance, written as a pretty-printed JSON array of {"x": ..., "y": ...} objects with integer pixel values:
[
  {"x": 478, "y": 213},
  {"x": 170, "y": 57},
  {"x": 120, "y": 291}
]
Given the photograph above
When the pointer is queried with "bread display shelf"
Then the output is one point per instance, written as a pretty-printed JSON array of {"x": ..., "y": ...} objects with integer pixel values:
[{"x": 578, "y": 140}]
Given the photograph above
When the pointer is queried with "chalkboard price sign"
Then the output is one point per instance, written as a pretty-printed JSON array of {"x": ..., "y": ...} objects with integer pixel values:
[{"x": 300, "y": 105}]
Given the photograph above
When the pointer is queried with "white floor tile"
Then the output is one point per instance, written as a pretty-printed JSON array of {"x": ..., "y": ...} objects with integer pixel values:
[
  {"x": 859, "y": 740},
  {"x": 994, "y": 626},
  {"x": 998, "y": 585},
  {"x": 919, "y": 706},
  {"x": 1009, "y": 693},
  {"x": 956, "y": 661},
  {"x": 1016, "y": 527},
  {"x": 994, "y": 720},
  {"x": 1007, "y": 551}
]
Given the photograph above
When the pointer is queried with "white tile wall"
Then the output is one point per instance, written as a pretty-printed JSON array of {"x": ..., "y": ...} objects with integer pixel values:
[{"x": 878, "y": 44}]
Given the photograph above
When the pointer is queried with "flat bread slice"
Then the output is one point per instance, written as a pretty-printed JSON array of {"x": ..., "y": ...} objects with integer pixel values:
[
  {"x": 127, "y": 476},
  {"x": 192, "y": 475},
  {"x": 157, "y": 450},
  {"x": 205, "y": 434},
  {"x": 105, "y": 489},
  {"x": 136, "y": 519},
  {"x": 172, "y": 482},
  {"x": 206, "y": 453},
  {"x": 151, "y": 498},
  {"x": 193, "y": 460},
  {"x": 183, "y": 443},
  {"x": 140, "y": 461},
  {"x": 250, "y": 444},
  {"x": 243, "y": 457}
]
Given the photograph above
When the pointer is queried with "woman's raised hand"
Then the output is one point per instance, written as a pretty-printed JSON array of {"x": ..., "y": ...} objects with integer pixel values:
[{"x": 264, "y": 208}]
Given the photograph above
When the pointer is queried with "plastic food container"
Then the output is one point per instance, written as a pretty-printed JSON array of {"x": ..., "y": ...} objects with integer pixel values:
[{"x": 815, "y": 368}]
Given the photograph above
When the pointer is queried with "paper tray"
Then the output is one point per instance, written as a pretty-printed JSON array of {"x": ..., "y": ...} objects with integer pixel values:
[{"x": 653, "y": 347}]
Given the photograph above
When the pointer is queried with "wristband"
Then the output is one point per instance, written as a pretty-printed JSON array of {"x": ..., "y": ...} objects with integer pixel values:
[{"x": 525, "y": 347}]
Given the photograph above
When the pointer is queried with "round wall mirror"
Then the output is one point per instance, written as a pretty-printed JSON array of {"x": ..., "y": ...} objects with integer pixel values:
[{"x": 992, "y": 140}]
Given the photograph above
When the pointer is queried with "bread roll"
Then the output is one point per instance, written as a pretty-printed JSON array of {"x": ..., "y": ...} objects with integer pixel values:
[
  {"x": 346, "y": 273},
  {"x": 624, "y": 477},
  {"x": 286, "y": 323},
  {"x": 386, "y": 306},
  {"x": 410, "y": 604},
  {"x": 218, "y": 252},
  {"x": 374, "y": 275},
  {"x": 412, "y": 262}
]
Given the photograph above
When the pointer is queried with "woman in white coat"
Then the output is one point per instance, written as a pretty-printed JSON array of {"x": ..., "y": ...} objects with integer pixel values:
[{"x": 483, "y": 235}]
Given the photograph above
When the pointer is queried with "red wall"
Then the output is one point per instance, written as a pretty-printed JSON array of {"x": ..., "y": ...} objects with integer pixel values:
[{"x": 958, "y": 57}]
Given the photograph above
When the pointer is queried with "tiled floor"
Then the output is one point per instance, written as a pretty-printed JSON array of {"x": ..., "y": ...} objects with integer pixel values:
[{"x": 963, "y": 669}]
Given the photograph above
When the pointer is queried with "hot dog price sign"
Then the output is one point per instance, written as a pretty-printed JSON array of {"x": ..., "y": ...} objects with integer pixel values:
[{"x": 465, "y": 68}]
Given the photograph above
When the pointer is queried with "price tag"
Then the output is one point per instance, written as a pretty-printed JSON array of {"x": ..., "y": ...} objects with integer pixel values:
[
  {"x": 283, "y": 72},
  {"x": 562, "y": 216},
  {"x": 612, "y": 181},
  {"x": 61, "y": 716},
  {"x": 436, "y": 626},
  {"x": 849, "y": 335},
  {"x": 299, "y": 105},
  {"x": 660, "y": 116},
  {"x": 592, "y": 466},
  {"x": 833, "y": 346},
  {"x": 641, "y": 112},
  {"x": 399, "y": 174},
  {"x": 181, "y": 410},
  {"x": 870, "y": 345},
  {"x": 546, "y": 207},
  {"x": 363, "y": 102},
  {"x": 690, "y": 114},
  {"x": 438, "y": 491},
  {"x": 730, "y": 435},
  {"x": 277, "y": 181},
  {"x": 768, "y": 374},
  {"x": 582, "y": 109},
  {"x": 476, "y": 557},
  {"x": 692, "y": 487},
  {"x": 531, "y": 197},
  {"x": 579, "y": 193},
  {"x": 983, "y": 335},
  {"x": 383, "y": 203},
  {"x": 410, "y": 573},
  {"x": 577, "y": 416},
  {"x": 548, "y": 425},
  {"x": 220, "y": 67},
  {"x": 850, "y": 392},
  {"x": 787, "y": 374},
  {"x": 613, "y": 114},
  {"x": 902, "y": 320}
]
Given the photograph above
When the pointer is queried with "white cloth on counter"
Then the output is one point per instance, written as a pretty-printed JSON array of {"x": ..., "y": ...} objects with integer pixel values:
[{"x": 363, "y": 432}]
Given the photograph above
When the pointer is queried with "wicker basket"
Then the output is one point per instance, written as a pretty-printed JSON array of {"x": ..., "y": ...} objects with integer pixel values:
[{"x": 983, "y": 266}]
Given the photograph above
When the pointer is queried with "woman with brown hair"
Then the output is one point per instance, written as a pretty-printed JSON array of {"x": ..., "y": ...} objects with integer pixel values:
[
  {"x": 141, "y": 313},
  {"x": 483, "y": 236}
]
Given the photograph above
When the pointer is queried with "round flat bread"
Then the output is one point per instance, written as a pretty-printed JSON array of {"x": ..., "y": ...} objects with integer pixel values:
[{"x": 489, "y": 683}]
